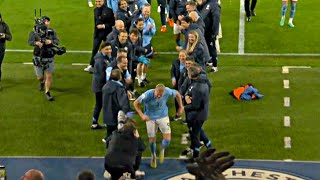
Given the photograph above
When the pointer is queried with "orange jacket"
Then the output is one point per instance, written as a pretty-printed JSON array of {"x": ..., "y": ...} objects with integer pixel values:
[{"x": 239, "y": 90}]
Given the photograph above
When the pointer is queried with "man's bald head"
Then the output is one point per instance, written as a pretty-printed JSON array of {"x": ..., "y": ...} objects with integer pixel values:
[
  {"x": 194, "y": 16},
  {"x": 33, "y": 174},
  {"x": 119, "y": 25}
]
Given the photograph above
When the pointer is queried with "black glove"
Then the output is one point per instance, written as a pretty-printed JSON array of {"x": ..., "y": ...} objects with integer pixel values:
[{"x": 210, "y": 165}]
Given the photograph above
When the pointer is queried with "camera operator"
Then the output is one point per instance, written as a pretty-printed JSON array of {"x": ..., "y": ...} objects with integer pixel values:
[
  {"x": 45, "y": 40},
  {"x": 5, "y": 35}
]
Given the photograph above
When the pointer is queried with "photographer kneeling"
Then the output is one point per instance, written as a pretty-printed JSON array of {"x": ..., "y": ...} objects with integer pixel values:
[
  {"x": 45, "y": 42},
  {"x": 124, "y": 151}
]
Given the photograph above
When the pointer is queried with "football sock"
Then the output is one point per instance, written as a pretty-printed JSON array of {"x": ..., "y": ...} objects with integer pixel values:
[
  {"x": 165, "y": 143},
  {"x": 153, "y": 149},
  {"x": 293, "y": 10},
  {"x": 284, "y": 10}
]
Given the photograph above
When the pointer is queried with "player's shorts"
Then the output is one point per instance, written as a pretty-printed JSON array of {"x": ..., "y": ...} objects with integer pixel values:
[
  {"x": 163, "y": 124},
  {"x": 45, "y": 66},
  {"x": 176, "y": 30}
]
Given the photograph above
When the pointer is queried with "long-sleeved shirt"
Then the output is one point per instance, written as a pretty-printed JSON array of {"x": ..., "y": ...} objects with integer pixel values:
[{"x": 147, "y": 34}]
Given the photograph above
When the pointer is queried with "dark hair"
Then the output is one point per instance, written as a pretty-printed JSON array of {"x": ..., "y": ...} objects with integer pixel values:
[
  {"x": 135, "y": 31},
  {"x": 122, "y": 31},
  {"x": 187, "y": 19},
  {"x": 105, "y": 44},
  {"x": 190, "y": 58},
  {"x": 192, "y": 3},
  {"x": 115, "y": 75},
  {"x": 130, "y": 126},
  {"x": 86, "y": 175},
  {"x": 137, "y": 20},
  {"x": 120, "y": 2},
  {"x": 120, "y": 58},
  {"x": 120, "y": 50},
  {"x": 193, "y": 71}
]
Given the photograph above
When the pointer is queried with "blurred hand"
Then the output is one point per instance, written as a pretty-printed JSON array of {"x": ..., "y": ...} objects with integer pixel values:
[
  {"x": 180, "y": 111},
  {"x": 210, "y": 165},
  {"x": 174, "y": 82},
  {"x": 178, "y": 48},
  {"x": 149, "y": 27},
  {"x": 188, "y": 99},
  {"x": 136, "y": 133},
  {"x": 145, "y": 117},
  {"x": 48, "y": 41},
  {"x": 2, "y": 35},
  {"x": 38, "y": 43},
  {"x": 100, "y": 26}
]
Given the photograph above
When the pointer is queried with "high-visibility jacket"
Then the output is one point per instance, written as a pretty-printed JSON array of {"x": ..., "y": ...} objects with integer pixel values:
[{"x": 237, "y": 92}]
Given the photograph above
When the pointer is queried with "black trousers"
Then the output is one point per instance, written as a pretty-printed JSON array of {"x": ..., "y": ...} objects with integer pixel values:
[
  {"x": 211, "y": 43},
  {"x": 110, "y": 130},
  {"x": 197, "y": 134},
  {"x": 2, "y": 51},
  {"x": 96, "y": 45},
  {"x": 162, "y": 4},
  {"x": 247, "y": 7},
  {"x": 98, "y": 106}
]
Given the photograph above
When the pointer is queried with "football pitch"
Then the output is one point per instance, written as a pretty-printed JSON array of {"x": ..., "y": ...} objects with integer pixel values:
[{"x": 32, "y": 126}]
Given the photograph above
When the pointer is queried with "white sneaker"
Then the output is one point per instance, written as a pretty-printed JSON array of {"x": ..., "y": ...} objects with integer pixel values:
[
  {"x": 88, "y": 68},
  {"x": 106, "y": 175},
  {"x": 90, "y": 4},
  {"x": 139, "y": 173}
]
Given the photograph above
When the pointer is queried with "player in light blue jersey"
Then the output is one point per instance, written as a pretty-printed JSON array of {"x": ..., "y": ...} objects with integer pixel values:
[
  {"x": 156, "y": 116},
  {"x": 292, "y": 12}
]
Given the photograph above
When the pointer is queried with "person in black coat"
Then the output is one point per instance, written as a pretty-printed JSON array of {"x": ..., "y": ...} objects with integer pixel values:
[
  {"x": 102, "y": 59},
  {"x": 197, "y": 109},
  {"x": 122, "y": 42},
  {"x": 114, "y": 99},
  {"x": 210, "y": 12},
  {"x": 123, "y": 13},
  {"x": 177, "y": 69},
  {"x": 5, "y": 35},
  {"x": 188, "y": 26},
  {"x": 118, "y": 26},
  {"x": 124, "y": 151},
  {"x": 103, "y": 22}
]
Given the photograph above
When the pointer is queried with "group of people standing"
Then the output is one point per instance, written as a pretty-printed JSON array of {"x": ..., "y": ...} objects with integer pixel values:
[{"x": 124, "y": 56}]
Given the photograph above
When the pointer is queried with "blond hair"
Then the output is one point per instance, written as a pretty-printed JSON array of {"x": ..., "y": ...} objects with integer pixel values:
[{"x": 190, "y": 47}]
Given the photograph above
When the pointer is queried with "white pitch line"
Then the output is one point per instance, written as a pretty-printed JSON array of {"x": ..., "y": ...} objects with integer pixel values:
[
  {"x": 287, "y": 142},
  {"x": 285, "y": 69},
  {"x": 286, "y": 84},
  {"x": 286, "y": 101},
  {"x": 241, "y": 28},
  {"x": 79, "y": 64},
  {"x": 286, "y": 121},
  {"x": 28, "y": 63}
]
